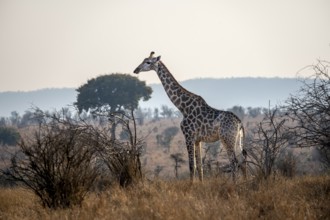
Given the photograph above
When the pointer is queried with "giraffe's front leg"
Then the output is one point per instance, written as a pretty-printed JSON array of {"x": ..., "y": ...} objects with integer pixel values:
[
  {"x": 190, "y": 143},
  {"x": 198, "y": 156},
  {"x": 191, "y": 157}
]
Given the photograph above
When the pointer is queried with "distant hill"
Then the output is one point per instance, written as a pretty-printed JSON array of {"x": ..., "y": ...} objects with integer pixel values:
[
  {"x": 45, "y": 99},
  {"x": 226, "y": 93},
  {"x": 219, "y": 93}
]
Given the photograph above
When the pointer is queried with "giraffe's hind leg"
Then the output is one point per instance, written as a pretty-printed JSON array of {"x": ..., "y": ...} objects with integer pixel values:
[
  {"x": 233, "y": 163},
  {"x": 240, "y": 152},
  {"x": 243, "y": 164},
  {"x": 232, "y": 158},
  {"x": 198, "y": 157}
]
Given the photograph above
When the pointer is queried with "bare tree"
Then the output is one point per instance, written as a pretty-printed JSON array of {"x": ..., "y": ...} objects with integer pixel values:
[
  {"x": 266, "y": 142},
  {"x": 178, "y": 160},
  {"x": 309, "y": 110}
]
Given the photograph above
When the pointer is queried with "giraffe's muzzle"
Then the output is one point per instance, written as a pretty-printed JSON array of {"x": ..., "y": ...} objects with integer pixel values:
[{"x": 137, "y": 70}]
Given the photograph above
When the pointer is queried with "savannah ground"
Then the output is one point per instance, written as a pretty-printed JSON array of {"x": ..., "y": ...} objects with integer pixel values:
[
  {"x": 300, "y": 197},
  {"x": 303, "y": 197}
]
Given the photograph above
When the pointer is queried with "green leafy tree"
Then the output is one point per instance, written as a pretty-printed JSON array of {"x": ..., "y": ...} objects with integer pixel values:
[
  {"x": 166, "y": 112},
  {"x": 112, "y": 93},
  {"x": 108, "y": 94},
  {"x": 8, "y": 136},
  {"x": 156, "y": 114},
  {"x": 15, "y": 118},
  {"x": 3, "y": 122},
  {"x": 166, "y": 137},
  {"x": 238, "y": 110},
  {"x": 140, "y": 116},
  {"x": 254, "y": 112}
]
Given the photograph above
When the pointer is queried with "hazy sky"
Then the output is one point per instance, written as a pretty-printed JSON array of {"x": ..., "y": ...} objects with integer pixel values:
[{"x": 62, "y": 43}]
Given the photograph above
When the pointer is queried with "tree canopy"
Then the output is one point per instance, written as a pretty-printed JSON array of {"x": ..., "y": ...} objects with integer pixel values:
[
  {"x": 8, "y": 136},
  {"x": 112, "y": 92}
]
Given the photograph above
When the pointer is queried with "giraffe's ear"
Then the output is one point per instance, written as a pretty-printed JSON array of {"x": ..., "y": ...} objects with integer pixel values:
[{"x": 158, "y": 58}]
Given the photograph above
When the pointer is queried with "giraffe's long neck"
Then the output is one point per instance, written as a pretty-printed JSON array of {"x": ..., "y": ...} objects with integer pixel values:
[{"x": 179, "y": 96}]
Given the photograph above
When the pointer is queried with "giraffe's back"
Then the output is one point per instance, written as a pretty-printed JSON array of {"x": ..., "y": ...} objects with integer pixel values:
[{"x": 209, "y": 124}]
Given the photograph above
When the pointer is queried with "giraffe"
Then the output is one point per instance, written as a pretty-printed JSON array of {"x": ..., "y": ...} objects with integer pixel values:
[{"x": 200, "y": 123}]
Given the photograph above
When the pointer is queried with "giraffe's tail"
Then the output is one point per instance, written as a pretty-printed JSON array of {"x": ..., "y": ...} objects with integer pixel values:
[
  {"x": 242, "y": 137},
  {"x": 243, "y": 156},
  {"x": 240, "y": 142}
]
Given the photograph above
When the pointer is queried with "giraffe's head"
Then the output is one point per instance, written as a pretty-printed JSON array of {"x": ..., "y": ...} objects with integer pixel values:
[{"x": 149, "y": 63}]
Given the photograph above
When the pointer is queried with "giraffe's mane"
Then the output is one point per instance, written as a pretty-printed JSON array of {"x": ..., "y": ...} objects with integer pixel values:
[{"x": 181, "y": 87}]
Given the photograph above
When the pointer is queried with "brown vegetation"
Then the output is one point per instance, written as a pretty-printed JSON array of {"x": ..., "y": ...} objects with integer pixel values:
[{"x": 297, "y": 198}]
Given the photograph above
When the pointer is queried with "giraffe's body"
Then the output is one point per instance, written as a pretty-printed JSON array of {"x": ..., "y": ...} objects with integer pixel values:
[{"x": 201, "y": 123}]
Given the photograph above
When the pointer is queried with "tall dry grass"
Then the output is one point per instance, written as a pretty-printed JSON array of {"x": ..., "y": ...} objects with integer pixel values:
[{"x": 297, "y": 198}]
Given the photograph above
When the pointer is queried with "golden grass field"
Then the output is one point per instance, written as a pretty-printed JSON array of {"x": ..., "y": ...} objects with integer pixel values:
[{"x": 298, "y": 198}]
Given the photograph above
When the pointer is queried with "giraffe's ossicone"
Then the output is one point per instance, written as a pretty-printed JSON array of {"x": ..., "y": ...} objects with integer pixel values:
[{"x": 200, "y": 123}]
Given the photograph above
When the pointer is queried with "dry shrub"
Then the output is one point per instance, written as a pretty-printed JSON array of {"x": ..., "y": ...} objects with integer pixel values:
[
  {"x": 56, "y": 163},
  {"x": 124, "y": 165},
  {"x": 123, "y": 157},
  {"x": 62, "y": 160}
]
